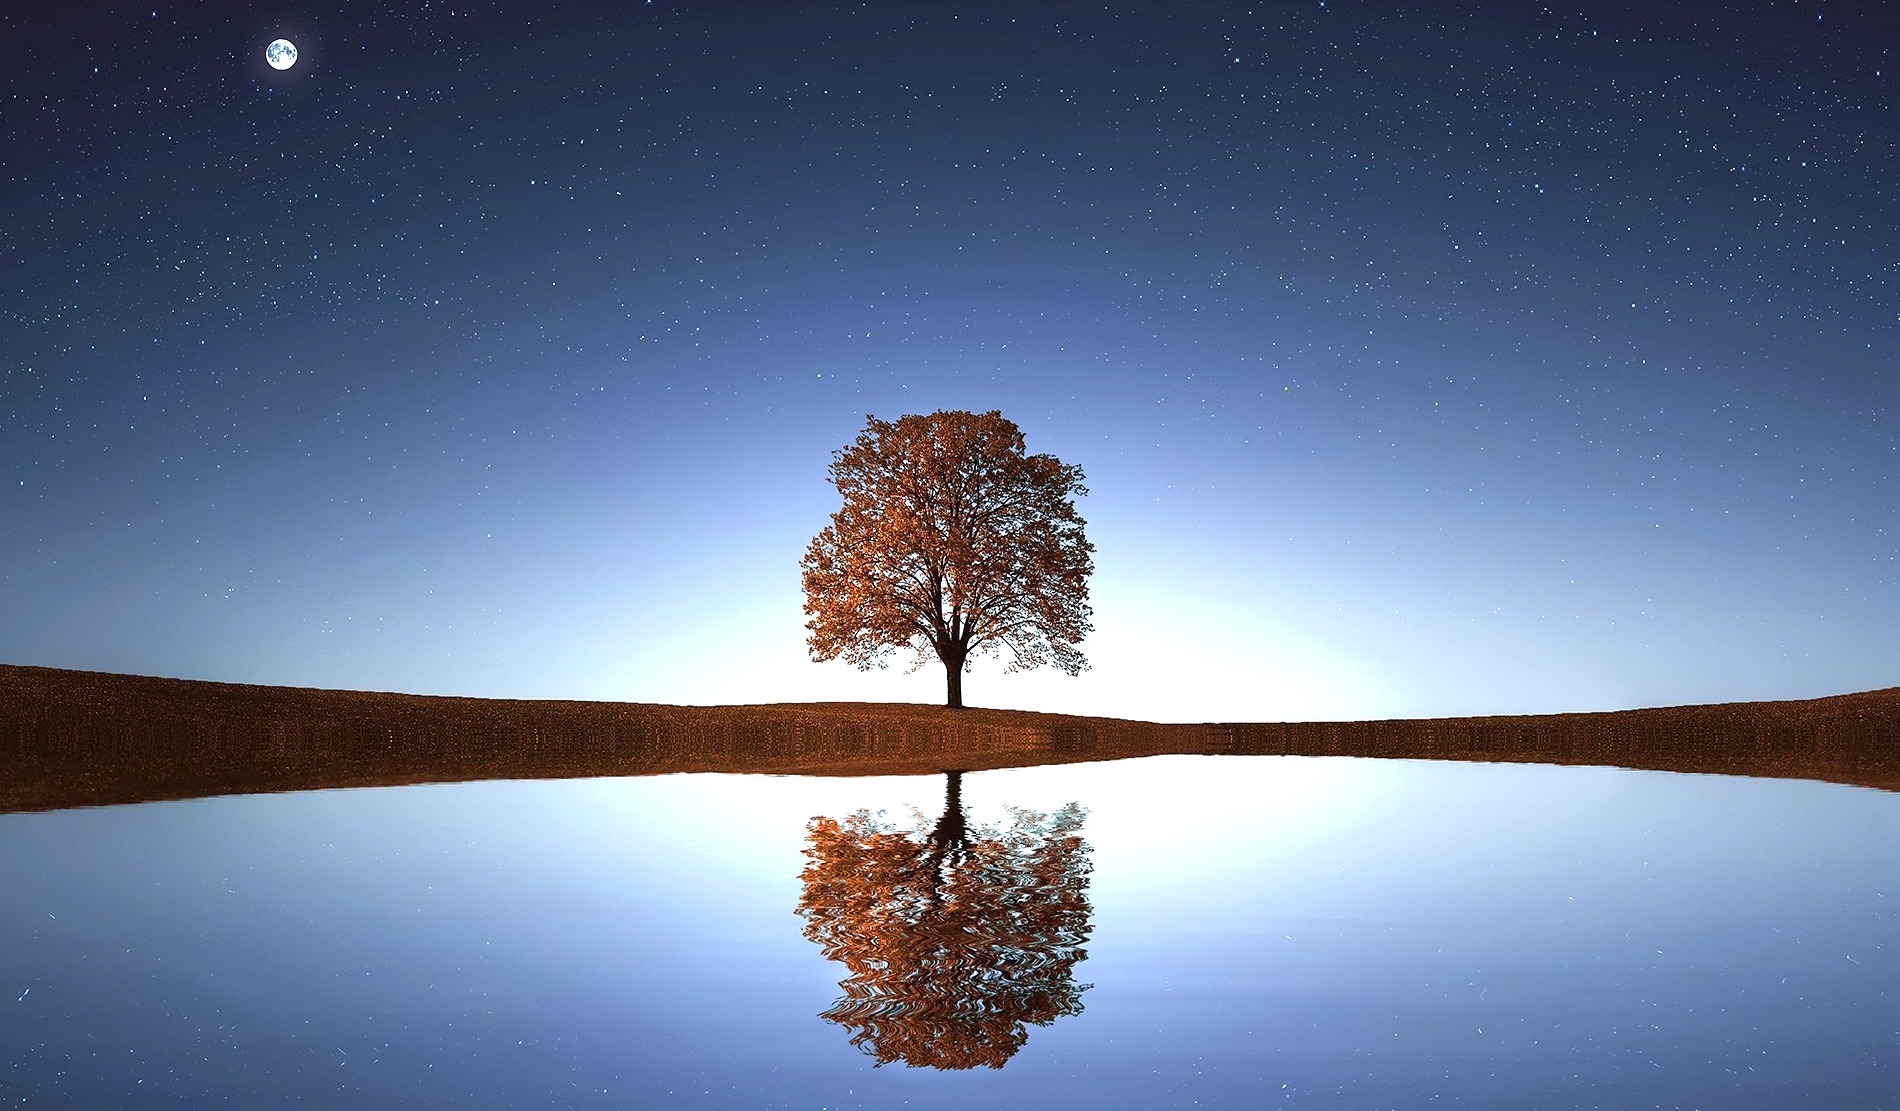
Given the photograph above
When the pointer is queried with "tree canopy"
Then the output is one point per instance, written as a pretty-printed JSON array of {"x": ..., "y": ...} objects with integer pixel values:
[{"x": 951, "y": 541}]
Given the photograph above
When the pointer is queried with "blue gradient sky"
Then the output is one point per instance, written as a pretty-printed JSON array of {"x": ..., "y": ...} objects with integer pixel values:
[{"x": 1422, "y": 359}]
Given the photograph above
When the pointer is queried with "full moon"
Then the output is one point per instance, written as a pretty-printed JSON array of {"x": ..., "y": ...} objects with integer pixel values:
[{"x": 281, "y": 54}]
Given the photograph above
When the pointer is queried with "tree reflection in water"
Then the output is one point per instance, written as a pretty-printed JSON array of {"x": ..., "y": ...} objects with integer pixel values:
[{"x": 957, "y": 939}]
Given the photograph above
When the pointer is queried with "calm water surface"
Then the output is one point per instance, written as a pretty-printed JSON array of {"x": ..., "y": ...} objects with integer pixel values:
[{"x": 1219, "y": 932}]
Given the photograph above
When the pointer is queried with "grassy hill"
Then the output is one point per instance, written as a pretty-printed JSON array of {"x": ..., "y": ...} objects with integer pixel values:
[{"x": 79, "y": 738}]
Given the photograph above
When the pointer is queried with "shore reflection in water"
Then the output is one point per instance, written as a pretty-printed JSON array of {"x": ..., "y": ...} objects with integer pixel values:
[{"x": 958, "y": 937}]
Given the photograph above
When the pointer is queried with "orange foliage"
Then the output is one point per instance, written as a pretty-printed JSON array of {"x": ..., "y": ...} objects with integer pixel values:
[
  {"x": 956, "y": 941},
  {"x": 953, "y": 542}
]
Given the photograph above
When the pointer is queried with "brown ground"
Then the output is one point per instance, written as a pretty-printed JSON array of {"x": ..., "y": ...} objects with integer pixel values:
[{"x": 81, "y": 738}]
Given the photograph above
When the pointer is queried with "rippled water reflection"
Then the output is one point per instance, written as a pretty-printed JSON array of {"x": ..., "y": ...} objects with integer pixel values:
[
  {"x": 1220, "y": 931},
  {"x": 958, "y": 936}
]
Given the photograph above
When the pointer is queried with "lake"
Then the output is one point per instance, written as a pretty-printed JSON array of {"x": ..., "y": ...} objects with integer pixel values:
[{"x": 1195, "y": 931}]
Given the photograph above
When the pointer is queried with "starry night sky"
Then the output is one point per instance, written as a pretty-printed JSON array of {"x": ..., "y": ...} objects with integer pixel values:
[{"x": 1422, "y": 358}]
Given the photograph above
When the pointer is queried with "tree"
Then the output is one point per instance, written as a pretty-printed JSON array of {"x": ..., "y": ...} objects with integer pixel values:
[
  {"x": 957, "y": 940},
  {"x": 951, "y": 541}
]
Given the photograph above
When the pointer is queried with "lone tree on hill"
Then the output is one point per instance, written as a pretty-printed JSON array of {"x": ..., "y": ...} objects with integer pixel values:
[{"x": 950, "y": 541}]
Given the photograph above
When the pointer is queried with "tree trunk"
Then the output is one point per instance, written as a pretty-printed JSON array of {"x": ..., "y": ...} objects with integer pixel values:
[{"x": 953, "y": 658}]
